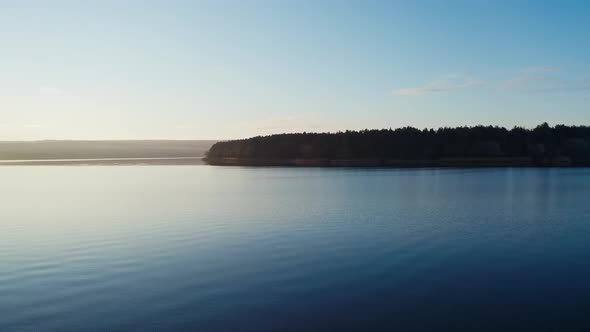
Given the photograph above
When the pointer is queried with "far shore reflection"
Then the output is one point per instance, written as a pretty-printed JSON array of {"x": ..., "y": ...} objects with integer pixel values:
[{"x": 106, "y": 161}]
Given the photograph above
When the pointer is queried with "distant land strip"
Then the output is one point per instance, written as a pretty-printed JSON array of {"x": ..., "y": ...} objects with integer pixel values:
[
  {"x": 52, "y": 150},
  {"x": 106, "y": 162},
  {"x": 479, "y": 146},
  {"x": 398, "y": 163}
]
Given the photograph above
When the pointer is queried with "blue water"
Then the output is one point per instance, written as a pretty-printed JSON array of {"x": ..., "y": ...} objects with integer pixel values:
[{"x": 199, "y": 248}]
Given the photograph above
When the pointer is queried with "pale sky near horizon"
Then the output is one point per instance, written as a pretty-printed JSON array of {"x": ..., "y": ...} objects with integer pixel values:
[{"x": 231, "y": 69}]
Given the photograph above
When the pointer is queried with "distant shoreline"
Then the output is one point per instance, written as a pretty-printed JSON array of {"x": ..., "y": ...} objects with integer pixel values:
[
  {"x": 96, "y": 150},
  {"x": 479, "y": 146},
  {"x": 392, "y": 163},
  {"x": 107, "y": 162}
]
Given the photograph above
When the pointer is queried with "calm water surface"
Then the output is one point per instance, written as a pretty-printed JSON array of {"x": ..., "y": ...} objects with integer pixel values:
[{"x": 199, "y": 248}]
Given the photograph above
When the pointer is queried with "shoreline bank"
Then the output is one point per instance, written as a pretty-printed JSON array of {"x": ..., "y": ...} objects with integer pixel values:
[
  {"x": 107, "y": 162},
  {"x": 394, "y": 163}
]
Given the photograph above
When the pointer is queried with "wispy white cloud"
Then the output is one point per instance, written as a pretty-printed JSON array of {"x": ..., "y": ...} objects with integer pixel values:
[
  {"x": 541, "y": 69},
  {"x": 545, "y": 79},
  {"x": 286, "y": 123},
  {"x": 277, "y": 122},
  {"x": 16, "y": 125},
  {"x": 526, "y": 80},
  {"x": 50, "y": 91},
  {"x": 445, "y": 84}
]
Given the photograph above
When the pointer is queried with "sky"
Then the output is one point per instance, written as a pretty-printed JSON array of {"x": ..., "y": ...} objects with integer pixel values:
[{"x": 233, "y": 69}]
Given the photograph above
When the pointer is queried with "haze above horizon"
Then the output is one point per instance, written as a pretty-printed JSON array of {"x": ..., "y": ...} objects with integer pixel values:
[{"x": 232, "y": 69}]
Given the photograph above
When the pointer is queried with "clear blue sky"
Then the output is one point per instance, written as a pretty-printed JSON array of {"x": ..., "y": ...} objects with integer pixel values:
[{"x": 229, "y": 69}]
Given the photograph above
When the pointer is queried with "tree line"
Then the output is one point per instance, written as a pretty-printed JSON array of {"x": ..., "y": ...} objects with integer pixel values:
[{"x": 541, "y": 143}]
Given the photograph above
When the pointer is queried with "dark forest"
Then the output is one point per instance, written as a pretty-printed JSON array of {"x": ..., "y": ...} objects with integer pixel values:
[{"x": 544, "y": 145}]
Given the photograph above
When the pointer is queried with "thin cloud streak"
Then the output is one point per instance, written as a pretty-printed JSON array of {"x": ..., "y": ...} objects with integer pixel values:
[
  {"x": 541, "y": 70},
  {"x": 532, "y": 84},
  {"x": 529, "y": 80},
  {"x": 50, "y": 91},
  {"x": 447, "y": 84}
]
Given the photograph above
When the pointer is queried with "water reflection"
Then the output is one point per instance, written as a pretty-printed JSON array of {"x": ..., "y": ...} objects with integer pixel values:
[{"x": 254, "y": 249}]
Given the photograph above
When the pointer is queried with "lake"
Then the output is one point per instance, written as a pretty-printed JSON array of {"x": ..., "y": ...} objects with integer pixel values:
[{"x": 203, "y": 248}]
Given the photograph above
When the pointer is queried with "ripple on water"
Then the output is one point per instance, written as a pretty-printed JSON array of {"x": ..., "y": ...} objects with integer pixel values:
[{"x": 223, "y": 249}]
